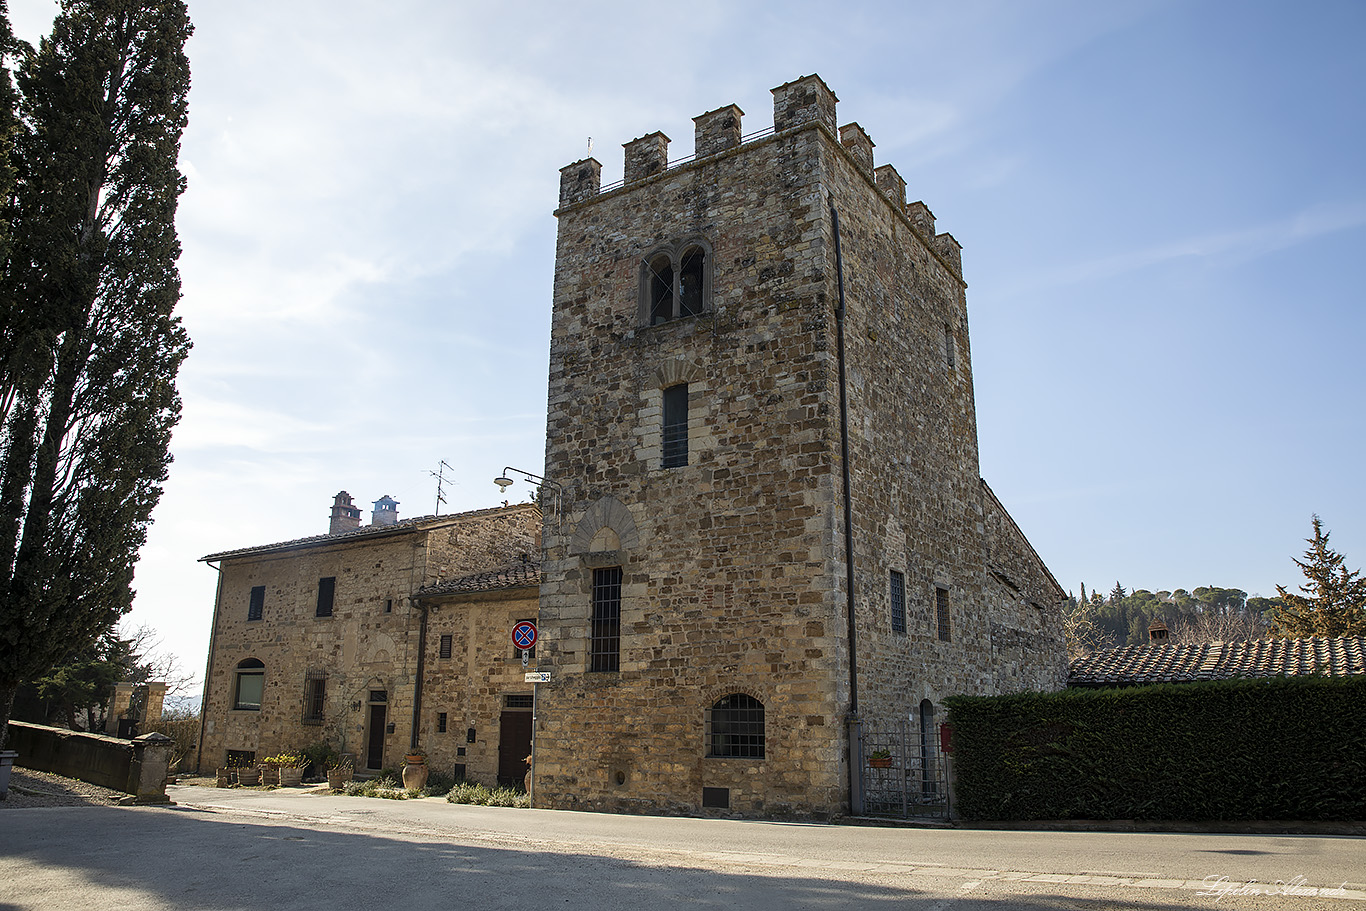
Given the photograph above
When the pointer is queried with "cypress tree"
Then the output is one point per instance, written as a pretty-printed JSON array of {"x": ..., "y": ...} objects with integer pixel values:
[{"x": 91, "y": 345}]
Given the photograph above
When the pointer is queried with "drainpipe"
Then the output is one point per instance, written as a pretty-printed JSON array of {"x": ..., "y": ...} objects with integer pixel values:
[
  {"x": 855, "y": 725},
  {"x": 421, "y": 664}
]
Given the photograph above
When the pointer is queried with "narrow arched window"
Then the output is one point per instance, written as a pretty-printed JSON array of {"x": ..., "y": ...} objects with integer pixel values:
[
  {"x": 661, "y": 279},
  {"x": 691, "y": 279},
  {"x": 249, "y": 684},
  {"x": 735, "y": 727}
]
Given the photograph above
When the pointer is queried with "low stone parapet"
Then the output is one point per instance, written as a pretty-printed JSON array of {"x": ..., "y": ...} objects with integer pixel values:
[{"x": 137, "y": 767}]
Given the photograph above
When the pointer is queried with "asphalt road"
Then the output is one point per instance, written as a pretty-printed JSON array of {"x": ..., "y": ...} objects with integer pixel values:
[{"x": 235, "y": 849}]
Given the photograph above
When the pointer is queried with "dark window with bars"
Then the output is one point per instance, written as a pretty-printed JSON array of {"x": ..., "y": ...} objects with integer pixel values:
[
  {"x": 676, "y": 426},
  {"x": 257, "y": 602},
  {"x": 676, "y": 288},
  {"x": 441, "y": 722},
  {"x": 445, "y": 646},
  {"x": 941, "y": 610},
  {"x": 315, "y": 696},
  {"x": 604, "y": 646},
  {"x": 735, "y": 728},
  {"x": 518, "y": 700},
  {"x": 898, "y": 586},
  {"x": 327, "y": 591}
]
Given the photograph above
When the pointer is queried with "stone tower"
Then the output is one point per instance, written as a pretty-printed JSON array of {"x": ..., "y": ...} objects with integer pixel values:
[{"x": 695, "y": 608}]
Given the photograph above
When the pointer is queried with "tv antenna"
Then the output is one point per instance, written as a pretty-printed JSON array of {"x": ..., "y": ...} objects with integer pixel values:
[{"x": 440, "y": 476}]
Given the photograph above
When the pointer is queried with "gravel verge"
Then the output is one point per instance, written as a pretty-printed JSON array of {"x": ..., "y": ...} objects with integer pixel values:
[{"x": 29, "y": 788}]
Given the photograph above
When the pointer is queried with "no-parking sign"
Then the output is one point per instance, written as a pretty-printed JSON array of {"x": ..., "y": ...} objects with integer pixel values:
[{"x": 524, "y": 634}]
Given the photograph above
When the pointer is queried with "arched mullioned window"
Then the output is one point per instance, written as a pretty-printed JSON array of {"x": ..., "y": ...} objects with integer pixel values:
[
  {"x": 249, "y": 685},
  {"x": 675, "y": 281},
  {"x": 735, "y": 727}
]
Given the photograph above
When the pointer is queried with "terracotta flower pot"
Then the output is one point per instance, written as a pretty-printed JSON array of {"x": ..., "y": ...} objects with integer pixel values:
[
  {"x": 880, "y": 762},
  {"x": 415, "y": 775}
]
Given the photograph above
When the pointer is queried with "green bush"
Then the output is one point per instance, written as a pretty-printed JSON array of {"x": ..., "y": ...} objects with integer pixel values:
[
  {"x": 467, "y": 792},
  {"x": 439, "y": 784},
  {"x": 1287, "y": 748}
]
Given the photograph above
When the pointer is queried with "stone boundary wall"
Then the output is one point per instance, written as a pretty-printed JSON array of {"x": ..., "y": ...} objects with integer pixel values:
[{"x": 95, "y": 758}]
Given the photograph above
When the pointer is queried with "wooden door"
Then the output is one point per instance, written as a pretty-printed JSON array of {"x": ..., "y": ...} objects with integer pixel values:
[
  {"x": 514, "y": 746},
  {"x": 374, "y": 750}
]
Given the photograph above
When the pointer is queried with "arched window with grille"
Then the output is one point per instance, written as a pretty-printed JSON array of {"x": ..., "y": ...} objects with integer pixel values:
[
  {"x": 675, "y": 282},
  {"x": 735, "y": 727}
]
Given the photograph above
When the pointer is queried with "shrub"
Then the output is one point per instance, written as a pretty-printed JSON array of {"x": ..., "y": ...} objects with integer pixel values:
[
  {"x": 1287, "y": 748},
  {"x": 467, "y": 792}
]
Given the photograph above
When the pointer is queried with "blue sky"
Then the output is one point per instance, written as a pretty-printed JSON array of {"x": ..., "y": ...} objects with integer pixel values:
[{"x": 1162, "y": 207}]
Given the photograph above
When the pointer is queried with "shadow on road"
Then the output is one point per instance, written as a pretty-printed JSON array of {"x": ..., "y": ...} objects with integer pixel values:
[{"x": 76, "y": 859}]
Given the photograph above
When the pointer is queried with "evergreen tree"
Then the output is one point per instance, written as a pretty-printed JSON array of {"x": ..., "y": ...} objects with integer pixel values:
[
  {"x": 90, "y": 345},
  {"x": 1334, "y": 599}
]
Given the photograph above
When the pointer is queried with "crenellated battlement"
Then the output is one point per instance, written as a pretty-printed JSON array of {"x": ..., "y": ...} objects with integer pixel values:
[{"x": 797, "y": 104}]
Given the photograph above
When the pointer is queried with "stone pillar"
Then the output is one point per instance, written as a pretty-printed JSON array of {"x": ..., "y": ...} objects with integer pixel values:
[
  {"x": 147, "y": 772},
  {"x": 156, "y": 697},
  {"x": 579, "y": 181},
  {"x": 646, "y": 156},
  {"x": 891, "y": 185},
  {"x": 118, "y": 706},
  {"x": 802, "y": 101},
  {"x": 860, "y": 145},
  {"x": 716, "y": 131}
]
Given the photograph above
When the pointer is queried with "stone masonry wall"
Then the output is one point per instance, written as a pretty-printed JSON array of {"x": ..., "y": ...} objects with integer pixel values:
[
  {"x": 471, "y": 687},
  {"x": 369, "y": 643},
  {"x": 734, "y": 568},
  {"x": 726, "y": 586}
]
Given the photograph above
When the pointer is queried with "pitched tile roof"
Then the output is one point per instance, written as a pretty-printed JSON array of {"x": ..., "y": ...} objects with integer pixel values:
[
  {"x": 405, "y": 526},
  {"x": 1139, "y": 664},
  {"x": 514, "y": 575}
]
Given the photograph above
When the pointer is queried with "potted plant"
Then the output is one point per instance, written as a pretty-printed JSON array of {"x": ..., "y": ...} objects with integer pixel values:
[
  {"x": 415, "y": 772},
  {"x": 880, "y": 759},
  {"x": 291, "y": 769},
  {"x": 270, "y": 771},
  {"x": 339, "y": 772}
]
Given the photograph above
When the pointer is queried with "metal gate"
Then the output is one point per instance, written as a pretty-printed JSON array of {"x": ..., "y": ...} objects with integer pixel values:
[{"x": 904, "y": 775}]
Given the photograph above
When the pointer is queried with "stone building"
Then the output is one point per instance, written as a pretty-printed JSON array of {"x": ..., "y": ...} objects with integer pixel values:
[
  {"x": 377, "y": 638},
  {"x": 714, "y": 643}
]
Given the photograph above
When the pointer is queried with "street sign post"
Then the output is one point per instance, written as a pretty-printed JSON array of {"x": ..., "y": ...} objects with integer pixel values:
[{"x": 536, "y": 677}]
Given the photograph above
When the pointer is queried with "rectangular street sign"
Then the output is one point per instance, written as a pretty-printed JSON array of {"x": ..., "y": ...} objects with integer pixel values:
[{"x": 538, "y": 677}]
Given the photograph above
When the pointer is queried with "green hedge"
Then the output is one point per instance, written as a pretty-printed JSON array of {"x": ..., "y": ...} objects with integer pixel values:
[{"x": 1288, "y": 748}]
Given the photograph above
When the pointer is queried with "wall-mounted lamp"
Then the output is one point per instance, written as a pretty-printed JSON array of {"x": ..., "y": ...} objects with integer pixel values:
[{"x": 505, "y": 480}]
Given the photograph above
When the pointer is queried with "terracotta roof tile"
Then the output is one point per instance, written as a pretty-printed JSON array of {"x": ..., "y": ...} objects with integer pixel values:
[
  {"x": 514, "y": 575},
  {"x": 1139, "y": 664},
  {"x": 404, "y": 526}
]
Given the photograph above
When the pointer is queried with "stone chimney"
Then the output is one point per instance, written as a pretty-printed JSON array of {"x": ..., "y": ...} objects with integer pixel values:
[
  {"x": 1157, "y": 632},
  {"x": 385, "y": 512},
  {"x": 345, "y": 517}
]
